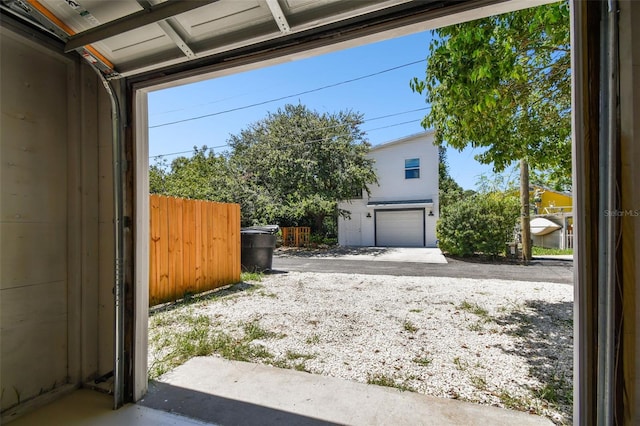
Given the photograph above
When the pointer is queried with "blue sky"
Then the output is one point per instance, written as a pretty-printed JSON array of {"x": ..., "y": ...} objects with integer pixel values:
[{"x": 381, "y": 95}]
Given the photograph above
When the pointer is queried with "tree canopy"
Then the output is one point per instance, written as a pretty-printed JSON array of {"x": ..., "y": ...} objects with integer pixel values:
[
  {"x": 503, "y": 83},
  {"x": 290, "y": 168},
  {"x": 448, "y": 189}
]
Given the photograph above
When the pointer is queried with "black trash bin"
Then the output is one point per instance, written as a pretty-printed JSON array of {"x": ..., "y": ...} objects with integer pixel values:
[{"x": 257, "y": 246}]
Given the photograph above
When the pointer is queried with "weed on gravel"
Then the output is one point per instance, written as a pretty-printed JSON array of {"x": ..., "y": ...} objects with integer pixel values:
[
  {"x": 409, "y": 326},
  {"x": 251, "y": 276},
  {"x": 388, "y": 381},
  {"x": 423, "y": 361},
  {"x": 176, "y": 337},
  {"x": 314, "y": 339},
  {"x": 475, "y": 309}
]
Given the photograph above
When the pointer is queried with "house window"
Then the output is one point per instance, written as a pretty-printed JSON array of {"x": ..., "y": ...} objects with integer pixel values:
[
  {"x": 356, "y": 194},
  {"x": 412, "y": 168}
]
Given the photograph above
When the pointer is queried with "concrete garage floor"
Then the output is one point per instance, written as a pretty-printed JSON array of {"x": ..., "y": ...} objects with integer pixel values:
[{"x": 86, "y": 407}]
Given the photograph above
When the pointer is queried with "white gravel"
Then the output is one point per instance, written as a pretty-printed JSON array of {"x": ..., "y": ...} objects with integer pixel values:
[{"x": 488, "y": 341}]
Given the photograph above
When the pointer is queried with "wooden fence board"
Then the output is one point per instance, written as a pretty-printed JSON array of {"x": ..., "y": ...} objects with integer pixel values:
[
  {"x": 176, "y": 243},
  {"x": 235, "y": 236},
  {"x": 197, "y": 246},
  {"x": 204, "y": 257},
  {"x": 163, "y": 252},
  {"x": 211, "y": 266},
  {"x": 222, "y": 255},
  {"x": 194, "y": 247},
  {"x": 188, "y": 230},
  {"x": 154, "y": 248}
]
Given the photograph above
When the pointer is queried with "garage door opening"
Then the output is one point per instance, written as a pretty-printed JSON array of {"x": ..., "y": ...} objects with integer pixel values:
[
  {"x": 142, "y": 46},
  {"x": 401, "y": 227}
]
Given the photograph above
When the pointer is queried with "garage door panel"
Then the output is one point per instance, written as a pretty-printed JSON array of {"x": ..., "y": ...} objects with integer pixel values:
[{"x": 400, "y": 228}]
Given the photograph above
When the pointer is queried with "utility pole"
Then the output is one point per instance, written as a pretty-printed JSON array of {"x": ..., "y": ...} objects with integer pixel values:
[{"x": 525, "y": 229}]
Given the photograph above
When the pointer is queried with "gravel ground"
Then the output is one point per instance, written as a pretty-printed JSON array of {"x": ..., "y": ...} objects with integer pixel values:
[{"x": 493, "y": 342}]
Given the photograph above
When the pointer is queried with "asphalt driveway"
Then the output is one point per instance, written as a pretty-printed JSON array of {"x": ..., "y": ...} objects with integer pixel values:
[{"x": 347, "y": 261}]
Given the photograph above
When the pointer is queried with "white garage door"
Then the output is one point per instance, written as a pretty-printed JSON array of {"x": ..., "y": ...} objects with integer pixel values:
[{"x": 404, "y": 228}]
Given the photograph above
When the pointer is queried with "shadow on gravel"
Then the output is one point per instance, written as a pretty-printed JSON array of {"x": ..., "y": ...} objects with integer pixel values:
[
  {"x": 478, "y": 260},
  {"x": 203, "y": 297},
  {"x": 329, "y": 252},
  {"x": 544, "y": 334},
  {"x": 487, "y": 260},
  {"x": 275, "y": 272}
]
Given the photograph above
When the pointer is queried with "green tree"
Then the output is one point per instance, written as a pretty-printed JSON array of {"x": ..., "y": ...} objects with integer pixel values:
[
  {"x": 506, "y": 182},
  {"x": 306, "y": 161},
  {"x": 207, "y": 176},
  {"x": 157, "y": 177},
  {"x": 503, "y": 83},
  {"x": 290, "y": 168},
  {"x": 551, "y": 180},
  {"x": 449, "y": 191},
  {"x": 203, "y": 176}
]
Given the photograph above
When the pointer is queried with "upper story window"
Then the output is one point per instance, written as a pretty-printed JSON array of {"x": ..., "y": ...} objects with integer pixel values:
[
  {"x": 356, "y": 194},
  {"x": 412, "y": 168}
]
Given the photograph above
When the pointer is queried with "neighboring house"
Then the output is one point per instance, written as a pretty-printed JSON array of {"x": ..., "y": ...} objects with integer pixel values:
[
  {"x": 403, "y": 209},
  {"x": 549, "y": 201},
  {"x": 552, "y": 222}
]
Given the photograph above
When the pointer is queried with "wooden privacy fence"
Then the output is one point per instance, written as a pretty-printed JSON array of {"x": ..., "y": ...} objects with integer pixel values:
[
  {"x": 194, "y": 247},
  {"x": 296, "y": 236}
]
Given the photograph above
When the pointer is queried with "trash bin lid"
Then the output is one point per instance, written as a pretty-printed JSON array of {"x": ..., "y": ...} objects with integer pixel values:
[{"x": 267, "y": 229}]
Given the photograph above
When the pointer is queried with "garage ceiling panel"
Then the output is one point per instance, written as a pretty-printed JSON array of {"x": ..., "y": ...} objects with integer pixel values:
[
  {"x": 223, "y": 17},
  {"x": 298, "y": 5},
  {"x": 132, "y": 45},
  {"x": 129, "y": 37},
  {"x": 82, "y": 15}
]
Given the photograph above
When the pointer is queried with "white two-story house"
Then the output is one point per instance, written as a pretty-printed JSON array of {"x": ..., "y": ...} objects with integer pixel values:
[{"x": 402, "y": 209}]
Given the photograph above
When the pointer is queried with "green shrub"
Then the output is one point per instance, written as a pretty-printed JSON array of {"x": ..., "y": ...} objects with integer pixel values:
[
  {"x": 320, "y": 239},
  {"x": 479, "y": 224}
]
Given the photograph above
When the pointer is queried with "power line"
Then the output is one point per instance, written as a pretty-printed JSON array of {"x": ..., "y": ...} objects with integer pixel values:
[
  {"x": 321, "y": 128},
  {"x": 398, "y": 113},
  {"x": 185, "y": 152},
  {"x": 307, "y": 142},
  {"x": 392, "y": 125},
  {"x": 286, "y": 97}
]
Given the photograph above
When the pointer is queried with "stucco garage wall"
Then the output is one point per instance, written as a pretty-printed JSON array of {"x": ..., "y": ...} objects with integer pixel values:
[
  {"x": 55, "y": 223},
  {"x": 358, "y": 229}
]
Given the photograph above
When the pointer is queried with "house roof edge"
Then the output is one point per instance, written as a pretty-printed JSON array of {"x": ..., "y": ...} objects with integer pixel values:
[{"x": 404, "y": 139}]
